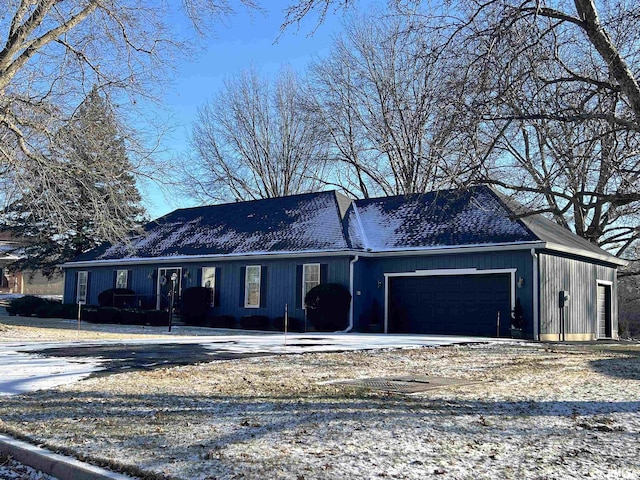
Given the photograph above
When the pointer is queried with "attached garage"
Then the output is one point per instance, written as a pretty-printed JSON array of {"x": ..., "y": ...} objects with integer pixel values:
[{"x": 465, "y": 303}]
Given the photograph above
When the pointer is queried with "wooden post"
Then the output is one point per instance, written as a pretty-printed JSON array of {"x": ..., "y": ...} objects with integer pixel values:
[{"x": 286, "y": 324}]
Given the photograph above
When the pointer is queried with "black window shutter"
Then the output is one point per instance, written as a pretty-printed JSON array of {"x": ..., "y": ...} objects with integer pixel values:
[
  {"x": 88, "y": 288},
  {"x": 115, "y": 278},
  {"x": 263, "y": 286},
  {"x": 243, "y": 273},
  {"x": 216, "y": 290},
  {"x": 324, "y": 273},
  {"x": 75, "y": 288},
  {"x": 129, "y": 275},
  {"x": 299, "y": 298}
]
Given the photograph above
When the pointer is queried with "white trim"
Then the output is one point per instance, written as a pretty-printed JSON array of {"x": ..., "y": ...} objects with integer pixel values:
[
  {"x": 126, "y": 277},
  {"x": 246, "y": 286},
  {"x": 304, "y": 292},
  {"x": 586, "y": 253},
  {"x": 158, "y": 283},
  {"x": 536, "y": 294},
  {"x": 441, "y": 250},
  {"x": 447, "y": 272},
  {"x": 86, "y": 286},
  {"x": 606, "y": 283},
  {"x": 212, "y": 287},
  {"x": 353, "y": 298}
]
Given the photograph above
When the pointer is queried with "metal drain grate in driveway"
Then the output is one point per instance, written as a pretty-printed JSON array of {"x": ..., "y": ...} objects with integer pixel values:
[{"x": 405, "y": 385}]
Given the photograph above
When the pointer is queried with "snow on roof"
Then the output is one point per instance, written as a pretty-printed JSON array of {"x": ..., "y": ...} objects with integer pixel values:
[
  {"x": 309, "y": 222},
  {"x": 326, "y": 222},
  {"x": 472, "y": 216}
]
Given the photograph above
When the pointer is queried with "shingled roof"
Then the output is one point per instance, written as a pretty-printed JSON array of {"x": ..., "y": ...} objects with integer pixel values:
[
  {"x": 294, "y": 224},
  {"x": 328, "y": 222},
  {"x": 446, "y": 218}
]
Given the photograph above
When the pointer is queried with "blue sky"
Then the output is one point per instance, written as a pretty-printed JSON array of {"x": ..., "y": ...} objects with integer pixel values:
[{"x": 246, "y": 39}]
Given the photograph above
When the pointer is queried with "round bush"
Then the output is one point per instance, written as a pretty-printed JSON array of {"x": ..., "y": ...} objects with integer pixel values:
[
  {"x": 114, "y": 298},
  {"x": 328, "y": 307},
  {"x": 196, "y": 302}
]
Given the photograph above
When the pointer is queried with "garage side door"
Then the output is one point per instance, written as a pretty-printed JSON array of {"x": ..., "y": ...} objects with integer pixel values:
[{"x": 450, "y": 305}]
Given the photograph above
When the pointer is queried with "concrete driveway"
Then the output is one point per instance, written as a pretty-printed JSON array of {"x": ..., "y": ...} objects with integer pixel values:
[{"x": 26, "y": 367}]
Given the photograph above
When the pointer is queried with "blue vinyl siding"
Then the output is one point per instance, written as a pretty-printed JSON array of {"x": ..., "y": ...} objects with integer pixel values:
[
  {"x": 280, "y": 282},
  {"x": 369, "y": 282}
]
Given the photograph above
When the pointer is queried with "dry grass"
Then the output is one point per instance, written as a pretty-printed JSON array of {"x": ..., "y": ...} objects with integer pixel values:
[
  {"x": 538, "y": 412},
  {"x": 21, "y": 329}
]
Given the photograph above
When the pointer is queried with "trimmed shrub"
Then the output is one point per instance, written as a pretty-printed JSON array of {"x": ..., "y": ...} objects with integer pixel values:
[
  {"x": 57, "y": 310},
  {"x": 294, "y": 324},
  {"x": 108, "y": 315},
  {"x": 157, "y": 318},
  {"x": 133, "y": 316},
  {"x": 89, "y": 313},
  {"x": 223, "y": 321},
  {"x": 26, "y": 306},
  {"x": 254, "y": 322},
  {"x": 328, "y": 307},
  {"x": 196, "y": 302},
  {"x": 113, "y": 298}
]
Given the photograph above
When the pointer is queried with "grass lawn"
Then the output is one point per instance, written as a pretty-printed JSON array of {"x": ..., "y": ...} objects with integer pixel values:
[{"x": 536, "y": 412}]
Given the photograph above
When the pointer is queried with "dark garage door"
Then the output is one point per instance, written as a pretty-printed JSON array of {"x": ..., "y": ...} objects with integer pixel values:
[{"x": 450, "y": 305}]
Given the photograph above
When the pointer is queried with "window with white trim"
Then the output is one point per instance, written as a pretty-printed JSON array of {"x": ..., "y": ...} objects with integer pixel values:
[
  {"x": 81, "y": 287},
  {"x": 209, "y": 281},
  {"x": 252, "y": 286},
  {"x": 310, "y": 277},
  {"x": 122, "y": 278}
]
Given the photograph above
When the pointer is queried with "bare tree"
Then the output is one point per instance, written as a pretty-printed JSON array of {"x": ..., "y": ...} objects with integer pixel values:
[
  {"x": 387, "y": 98},
  {"x": 53, "y": 53},
  {"x": 252, "y": 140}
]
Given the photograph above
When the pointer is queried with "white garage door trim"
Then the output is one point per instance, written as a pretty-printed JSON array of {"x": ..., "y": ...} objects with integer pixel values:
[{"x": 445, "y": 272}]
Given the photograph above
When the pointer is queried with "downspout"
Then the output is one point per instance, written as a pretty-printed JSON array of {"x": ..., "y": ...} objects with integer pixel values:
[
  {"x": 536, "y": 299},
  {"x": 351, "y": 281}
]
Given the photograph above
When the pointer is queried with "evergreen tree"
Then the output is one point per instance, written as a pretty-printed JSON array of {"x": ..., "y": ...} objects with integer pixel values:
[{"x": 94, "y": 155}]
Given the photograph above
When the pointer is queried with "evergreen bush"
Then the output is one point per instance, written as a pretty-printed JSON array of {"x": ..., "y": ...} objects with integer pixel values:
[
  {"x": 328, "y": 307},
  {"x": 26, "y": 306},
  {"x": 196, "y": 302}
]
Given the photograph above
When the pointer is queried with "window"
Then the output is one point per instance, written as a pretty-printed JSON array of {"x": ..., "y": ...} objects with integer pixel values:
[
  {"x": 310, "y": 277},
  {"x": 122, "y": 278},
  {"x": 252, "y": 286},
  {"x": 81, "y": 289},
  {"x": 209, "y": 280}
]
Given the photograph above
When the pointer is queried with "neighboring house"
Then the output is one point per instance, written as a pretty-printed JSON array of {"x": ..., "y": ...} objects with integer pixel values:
[
  {"x": 448, "y": 262},
  {"x": 23, "y": 282}
]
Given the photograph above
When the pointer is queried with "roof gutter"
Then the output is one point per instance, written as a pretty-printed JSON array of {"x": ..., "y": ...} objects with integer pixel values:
[
  {"x": 351, "y": 283},
  {"x": 441, "y": 250},
  {"x": 605, "y": 257}
]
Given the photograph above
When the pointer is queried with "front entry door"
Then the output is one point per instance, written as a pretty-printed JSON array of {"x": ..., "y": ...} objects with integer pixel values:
[{"x": 164, "y": 287}]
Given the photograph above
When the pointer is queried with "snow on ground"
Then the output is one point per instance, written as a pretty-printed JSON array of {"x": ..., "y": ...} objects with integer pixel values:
[
  {"x": 535, "y": 412},
  {"x": 12, "y": 470},
  {"x": 23, "y": 370}
]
